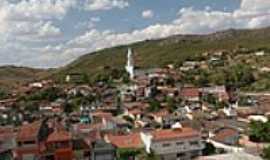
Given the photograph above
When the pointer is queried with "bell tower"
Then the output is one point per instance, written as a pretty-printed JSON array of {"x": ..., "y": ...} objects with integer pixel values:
[{"x": 130, "y": 64}]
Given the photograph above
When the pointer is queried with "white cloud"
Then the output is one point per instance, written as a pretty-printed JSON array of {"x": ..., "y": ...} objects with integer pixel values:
[
  {"x": 188, "y": 21},
  {"x": 33, "y": 31},
  {"x": 147, "y": 14},
  {"x": 95, "y": 19},
  {"x": 88, "y": 24},
  {"x": 49, "y": 30},
  {"x": 94, "y": 5},
  {"x": 37, "y": 9},
  {"x": 32, "y": 19}
]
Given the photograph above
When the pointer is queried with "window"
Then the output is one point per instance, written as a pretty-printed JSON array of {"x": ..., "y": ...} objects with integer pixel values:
[
  {"x": 29, "y": 142},
  {"x": 179, "y": 143},
  {"x": 180, "y": 155},
  {"x": 166, "y": 144},
  {"x": 194, "y": 143}
]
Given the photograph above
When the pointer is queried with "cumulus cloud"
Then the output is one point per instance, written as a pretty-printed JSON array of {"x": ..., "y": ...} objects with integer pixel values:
[
  {"x": 147, "y": 14},
  {"x": 37, "y": 9},
  {"x": 32, "y": 18},
  {"x": 94, "y": 5},
  {"x": 88, "y": 24},
  {"x": 188, "y": 20}
]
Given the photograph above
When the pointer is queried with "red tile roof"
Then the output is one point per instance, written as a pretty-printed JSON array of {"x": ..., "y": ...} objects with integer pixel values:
[
  {"x": 172, "y": 134},
  {"x": 135, "y": 111},
  {"x": 101, "y": 114},
  {"x": 190, "y": 92},
  {"x": 225, "y": 133},
  {"x": 58, "y": 136},
  {"x": 161, "y": 113},
  {"x": 6, "y": 133},
  {"x": 64, "y": 154},
  {"x": 29, "y": 132},
  {"x": 126, "y": 141}
]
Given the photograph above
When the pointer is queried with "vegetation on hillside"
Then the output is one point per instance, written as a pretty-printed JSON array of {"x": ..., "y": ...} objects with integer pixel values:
[{"x": 109, "y": 63}]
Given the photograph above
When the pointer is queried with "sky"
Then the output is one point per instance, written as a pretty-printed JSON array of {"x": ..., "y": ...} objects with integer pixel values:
[{"x": 53, "y": 33}]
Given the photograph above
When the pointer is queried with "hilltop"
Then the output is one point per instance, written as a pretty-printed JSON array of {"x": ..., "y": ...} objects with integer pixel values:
[
  {"x": 149, "y": 53},
  {"x": 174, "y": 49},
  {"x": 12, "y": 76}
]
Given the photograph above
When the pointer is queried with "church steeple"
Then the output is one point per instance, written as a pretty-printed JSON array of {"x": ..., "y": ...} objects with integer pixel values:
[{"x": 130, "y": 64}]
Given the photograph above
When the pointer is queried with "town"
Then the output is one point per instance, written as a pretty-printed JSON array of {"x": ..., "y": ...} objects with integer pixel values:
[{"x": 142, "y": 113}]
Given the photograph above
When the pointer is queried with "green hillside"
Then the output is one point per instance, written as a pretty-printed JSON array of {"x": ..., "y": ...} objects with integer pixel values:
[
  {"x": 149, "y": 53},
  {"x": 175, "y": 49},
  {"x": 11, "y": 76}
]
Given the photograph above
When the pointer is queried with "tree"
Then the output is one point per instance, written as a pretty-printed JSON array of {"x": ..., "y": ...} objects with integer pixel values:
[
  {"x": 209, "y": 149},
  {"x": 70, "y": 107},
  {"x": 259, "y": 131},
  {"x": 149, "y": 156},
  {"x": 266, "y": 153},
  {"x": 154, "y": 105},
  {"x": 239, "y": 75},
  {"x": 3, "y": 94},
  {"x": 127, "y": 154},
  {"x": 171, "y": 104},
  {"x": 85, "y": 78}
]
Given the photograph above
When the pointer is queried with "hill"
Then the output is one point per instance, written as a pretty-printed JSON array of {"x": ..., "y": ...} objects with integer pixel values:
[
  {"x": 174, "y": 49},
  {"x": 12, "y": 76},
  {"x": 149, "y": 53}
]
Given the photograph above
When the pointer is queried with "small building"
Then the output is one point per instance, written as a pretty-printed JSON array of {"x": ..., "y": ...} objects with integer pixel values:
[
  {"x": 231, "y": 156},
  {"x": 59, "y": 145},
  {"x": 7, "y": 143},
  {"x": 103, "y": 151},
  {"x": 130, "y": 142},
  {"x": 171, "y": 144},
  {"x": 227, "y": 136},
  {"x": 28, "y": 141},
  {"x": 74, "y": 78},
  {"x": 160, "y": 116},
  {"x": 190, "y": 94}
]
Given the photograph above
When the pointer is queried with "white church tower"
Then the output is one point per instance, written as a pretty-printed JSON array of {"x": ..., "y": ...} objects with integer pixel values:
[{"x": 130, "y": 64}]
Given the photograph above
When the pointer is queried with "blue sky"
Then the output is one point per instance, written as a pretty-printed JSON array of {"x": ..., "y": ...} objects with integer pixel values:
[{"x": 52, "y": 33}]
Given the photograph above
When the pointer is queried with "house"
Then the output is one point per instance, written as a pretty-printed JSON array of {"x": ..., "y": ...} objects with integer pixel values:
[
  {"x": 130, "y": 141},
  {"x": 84, "y": 90},
  {"x": 189, "y": 65},
  {"x": 134, "y": 113},
  {"x": 229, "y": 112},
  {"x": 218, "y": 91},
  {"x": 7, "y": 143},
  {"x": 172, "y": 144},
  {"x": 28, "y": 141},
  {"x": 231, "y": 156},
  {"x": 59, "y": 145},
  {"x": 228, "y": 136},
  {"x": 159, "y": 116},
  {"x": 74, "y": 78},
  {"x": 190, "y": 94},
  {"x": 103, "y": 151},
  {"x": 36, "y": 85},
  {"x": 99, "y": 116}
]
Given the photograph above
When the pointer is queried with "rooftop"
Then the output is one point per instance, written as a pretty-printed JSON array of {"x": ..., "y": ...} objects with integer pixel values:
[
  {"x": 29, "y": 131},
  {"x": 171, "y": 134},
  {"x": 126, "y": 141},
  {"x": 190, "y": 92},
  {"x": 59, "y": 135},
  {"x": 231, "y": 156}
]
